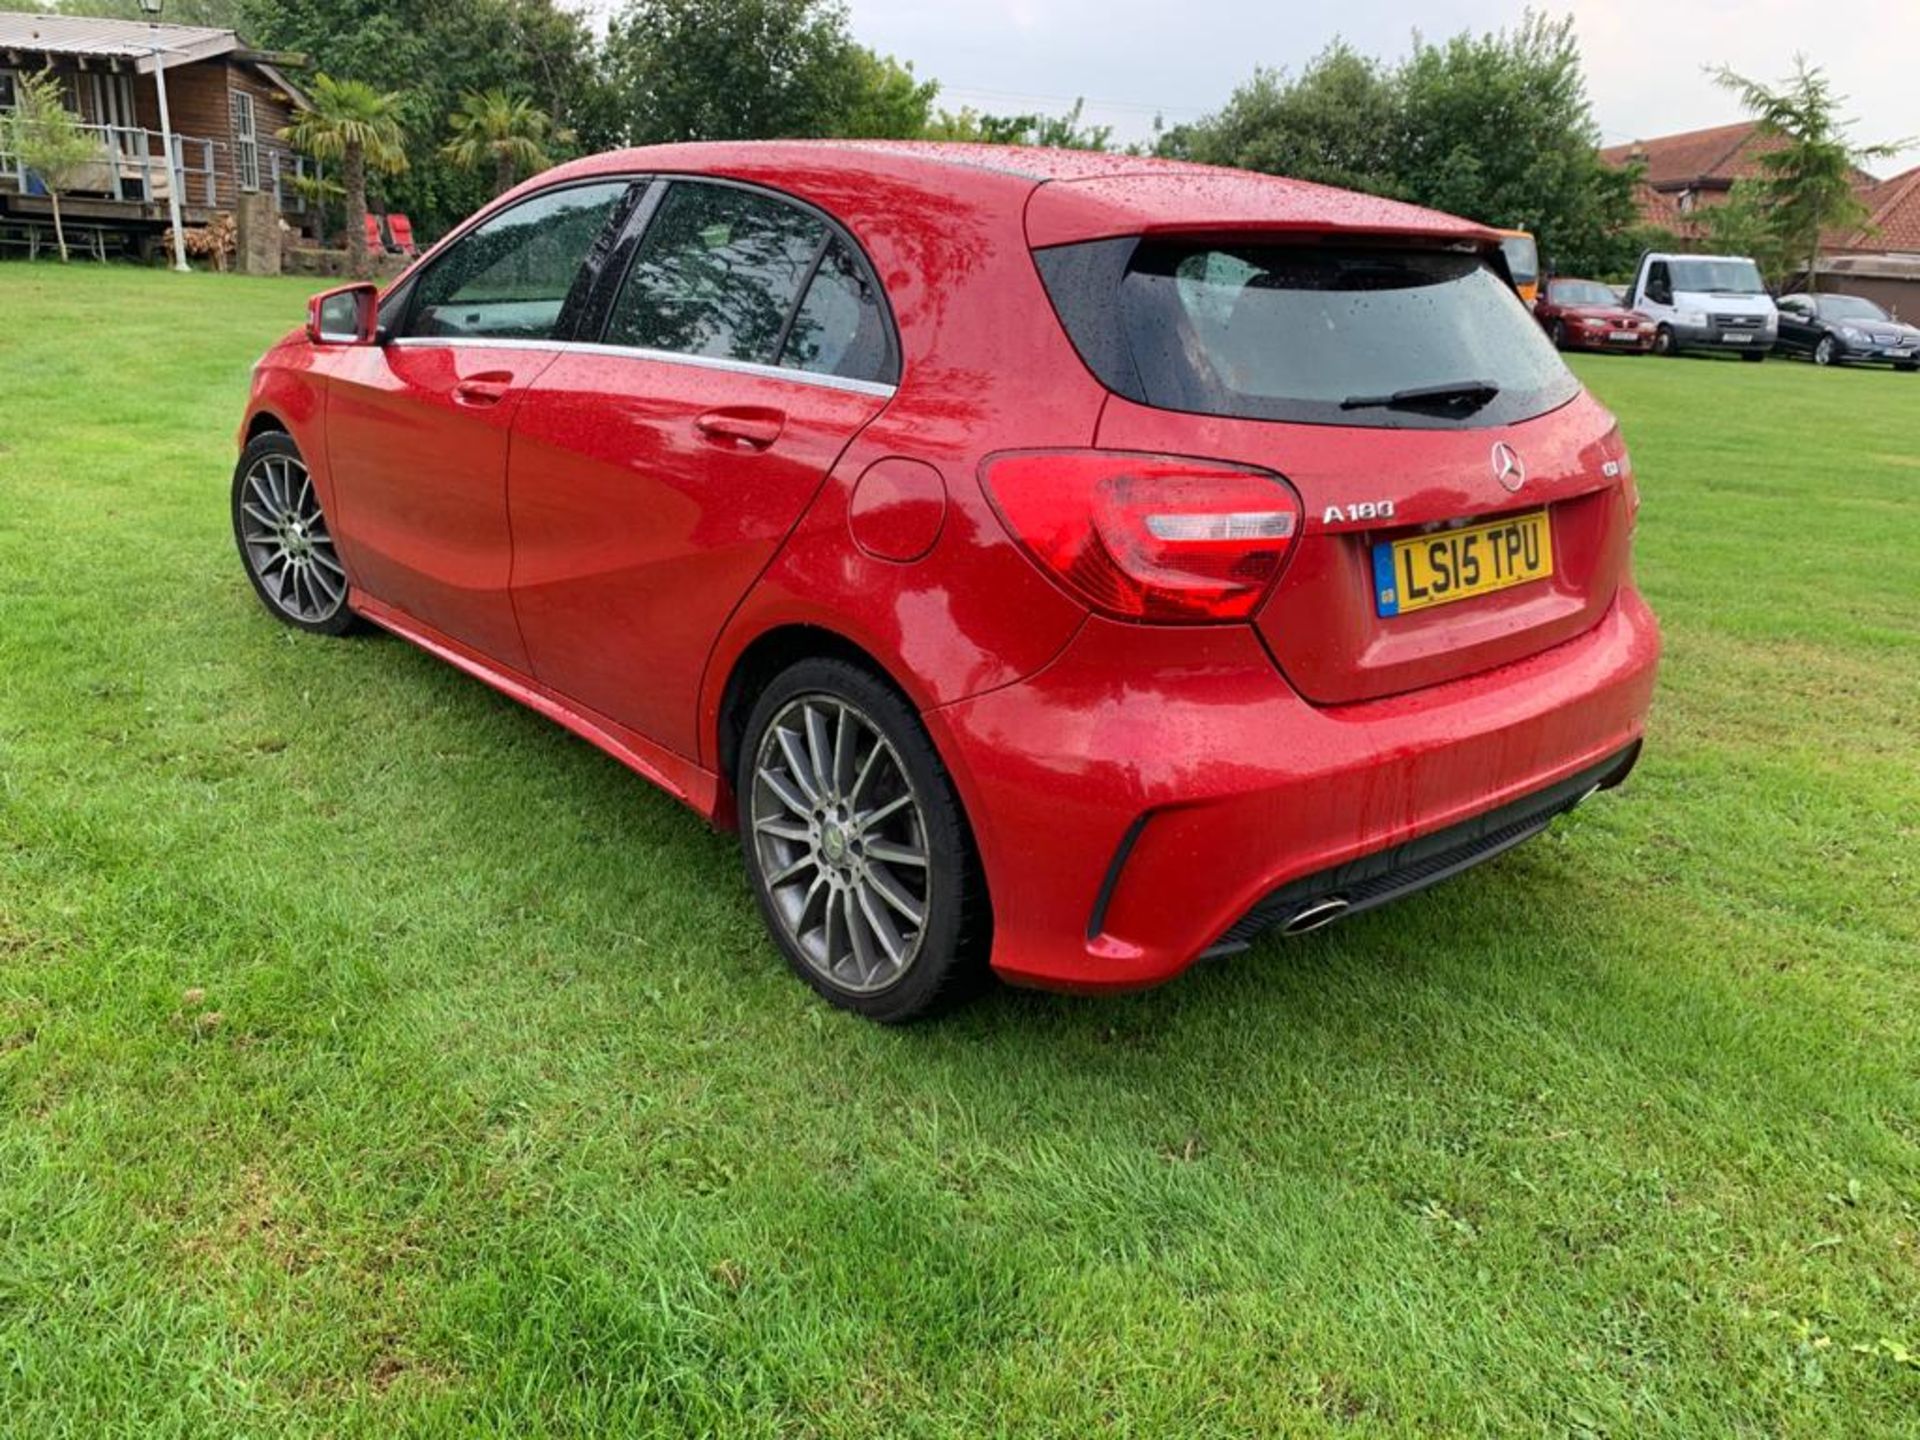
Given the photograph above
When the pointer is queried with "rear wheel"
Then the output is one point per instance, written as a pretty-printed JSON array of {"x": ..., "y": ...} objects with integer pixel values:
[
  {"x": 1826, "y": 352},
  {"x": 1663, "y": 341},
  {"x": 860, "y": 856},
  {"x": 284, "y": 540}
]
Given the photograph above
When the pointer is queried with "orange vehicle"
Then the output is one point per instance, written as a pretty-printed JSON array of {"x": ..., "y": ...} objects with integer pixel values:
[{"x": 1523, "y": 262}]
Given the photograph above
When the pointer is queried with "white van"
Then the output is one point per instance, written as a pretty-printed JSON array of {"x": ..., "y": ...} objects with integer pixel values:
[{"x": 1705, "y": 302}]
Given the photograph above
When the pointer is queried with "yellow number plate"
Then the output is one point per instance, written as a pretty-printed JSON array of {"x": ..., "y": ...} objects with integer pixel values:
[{"x": 1451, "y": 565}]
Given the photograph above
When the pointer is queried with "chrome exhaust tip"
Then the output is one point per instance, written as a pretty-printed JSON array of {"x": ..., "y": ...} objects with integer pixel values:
[{"x": 1314, "y": 915}]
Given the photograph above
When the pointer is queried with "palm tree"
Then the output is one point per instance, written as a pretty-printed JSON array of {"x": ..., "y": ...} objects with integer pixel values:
[
  {"x": 360, "y": 127},
  {"x": 508, "y": 131}
]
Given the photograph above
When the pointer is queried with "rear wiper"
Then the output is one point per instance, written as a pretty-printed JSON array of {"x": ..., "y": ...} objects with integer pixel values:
[{"x": 1469, "y": 394}]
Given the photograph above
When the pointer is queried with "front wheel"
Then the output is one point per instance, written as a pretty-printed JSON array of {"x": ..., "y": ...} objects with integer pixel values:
[
  {"x": 1663, "y": 341},
  {"x": 861, "y": 859},
  {"x": 1826, "y": 352},
  {"x": 284, "y": 540},
  {"x": 1558, "y": 334}
]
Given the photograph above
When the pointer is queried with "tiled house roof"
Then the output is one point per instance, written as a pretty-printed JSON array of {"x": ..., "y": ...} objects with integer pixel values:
[{"x": 1894, "y": 224}]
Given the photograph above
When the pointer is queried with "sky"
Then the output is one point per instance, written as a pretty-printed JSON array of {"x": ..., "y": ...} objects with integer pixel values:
[{"x": 1133, "y": 59}]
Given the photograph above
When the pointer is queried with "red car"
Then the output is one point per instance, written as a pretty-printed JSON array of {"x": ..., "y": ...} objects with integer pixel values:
[
  {"x": 1065, "y": 566},
  {"x": 1586, "y": 315}
]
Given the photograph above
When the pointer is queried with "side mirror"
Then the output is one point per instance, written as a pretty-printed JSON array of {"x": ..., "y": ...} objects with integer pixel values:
[{"x": 349, "y": 315}]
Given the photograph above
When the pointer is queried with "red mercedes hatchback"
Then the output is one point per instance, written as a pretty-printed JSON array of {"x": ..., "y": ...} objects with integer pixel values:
[{"x": 1066, "y": 566}]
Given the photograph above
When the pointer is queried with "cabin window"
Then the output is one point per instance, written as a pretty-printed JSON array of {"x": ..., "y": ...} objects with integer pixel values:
[
  {"x": 6, "y": 90},
  {"x": 246, "y": 142},
  {"x": 106, "y": 100}
]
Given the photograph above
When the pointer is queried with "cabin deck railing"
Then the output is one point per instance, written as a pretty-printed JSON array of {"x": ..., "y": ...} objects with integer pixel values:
[{"x": 133, "y": 168}]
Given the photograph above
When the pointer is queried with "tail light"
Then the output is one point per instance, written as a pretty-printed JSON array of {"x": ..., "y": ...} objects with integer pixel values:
[{"x": 1148, "y": 537}]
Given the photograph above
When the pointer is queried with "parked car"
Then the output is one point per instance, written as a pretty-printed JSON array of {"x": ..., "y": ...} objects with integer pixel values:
[
  {"x": 1705, "y": 302},
  {"x": 1832, "y": 329},
  {"x": 1585, "y": 315},
  {"x": 1073, "y": 566}
]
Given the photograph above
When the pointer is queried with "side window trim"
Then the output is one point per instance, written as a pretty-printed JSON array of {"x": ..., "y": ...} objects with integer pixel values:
[
  {"x": 600, "y": 310},
  {"x": 736, "y": 367},
  {"x": 571, "y": 309},
  {"x": 597, "y": 313},
  {"x": 800, "y": 296}
]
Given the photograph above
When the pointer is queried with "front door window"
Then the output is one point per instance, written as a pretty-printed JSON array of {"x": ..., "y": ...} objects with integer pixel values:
[{"x": 509, "y": 278}]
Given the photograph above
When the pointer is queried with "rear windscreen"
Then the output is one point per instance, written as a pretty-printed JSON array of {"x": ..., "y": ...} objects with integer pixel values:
[{"x": 1351, "y": 335}]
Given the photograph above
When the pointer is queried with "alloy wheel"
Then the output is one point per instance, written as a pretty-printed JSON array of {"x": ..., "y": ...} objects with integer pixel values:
[
  {"x": 840, "y": 841},
  {"x": 287, "y": 543},
  {"x": 1823, "y": 352}
]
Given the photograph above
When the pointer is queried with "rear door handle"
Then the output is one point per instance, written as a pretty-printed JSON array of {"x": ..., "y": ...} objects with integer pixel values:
[
  {"x": 751, "y": 427},
  {"x": 489, "y": 388}
]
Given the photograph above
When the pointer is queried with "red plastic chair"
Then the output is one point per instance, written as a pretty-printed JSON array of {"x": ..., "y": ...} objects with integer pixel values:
[
  {"x": 401, "y": 229},
  {"x": 376, "y": 244}
]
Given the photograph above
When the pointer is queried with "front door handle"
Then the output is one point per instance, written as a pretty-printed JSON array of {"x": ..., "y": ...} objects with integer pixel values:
[
  {"x": 489, "y": 388},
  {"x": 749, "y": 427}
]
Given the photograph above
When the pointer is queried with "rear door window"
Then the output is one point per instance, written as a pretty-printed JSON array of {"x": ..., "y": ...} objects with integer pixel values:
[
  {"x": 1344, "y": 335},
  {"x": 717, "y": 274},
  {"x": 727, "y": 273}
]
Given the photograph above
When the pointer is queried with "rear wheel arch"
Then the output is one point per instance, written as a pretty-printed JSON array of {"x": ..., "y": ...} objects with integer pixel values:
[{"x": 764, "y": 658}]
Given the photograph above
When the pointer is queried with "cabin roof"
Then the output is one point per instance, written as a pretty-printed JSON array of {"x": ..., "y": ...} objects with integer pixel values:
[{"x": 92, "y": 37}]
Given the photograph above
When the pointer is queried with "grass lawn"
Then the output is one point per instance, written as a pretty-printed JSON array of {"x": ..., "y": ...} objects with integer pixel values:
[{"x": 375, "y": 1057}]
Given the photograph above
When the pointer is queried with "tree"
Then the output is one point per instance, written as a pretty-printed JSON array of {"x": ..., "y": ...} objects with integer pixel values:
[
  {"x": 432, "y": 53},
  {"x": 1742, "y": 224},
  {"x": 1496, "y": 127},
  {"x": 884, "y": 100},
  {"x": 1057, "y": 132},
  {"x": 1336, "y": 125},
  {"x": 506, "y": 132},
  {"x": 46, "y": 137},
  {"x": 1807, "y": 182},
  {"x": 733, "y": 69},
  {"x": 218, "y": 13},
  {"x": 358, "y": 126}
]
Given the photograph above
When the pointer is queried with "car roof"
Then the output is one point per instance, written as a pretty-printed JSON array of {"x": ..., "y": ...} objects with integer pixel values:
[{"x": 1069, "y": 195}]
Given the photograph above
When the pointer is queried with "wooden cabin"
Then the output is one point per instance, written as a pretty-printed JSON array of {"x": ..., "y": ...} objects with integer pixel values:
[{"x": 227, "y": 104}]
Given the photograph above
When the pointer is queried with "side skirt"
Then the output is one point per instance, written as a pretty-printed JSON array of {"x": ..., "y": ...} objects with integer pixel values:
[{"x": 692, "y": 786}]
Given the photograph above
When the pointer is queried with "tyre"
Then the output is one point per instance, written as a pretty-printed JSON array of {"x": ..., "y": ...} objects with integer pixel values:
[
  {"x": 1558, "y": 334},
  {"x": 283, "y": 538},
  {"x": 1826, "y": 352},
  {"x": 1756, "y": 356},
  {"x": 1663, "y": 341},
  {"x": 860, "y": 857},
  {"x": 1907, "y": 366}
]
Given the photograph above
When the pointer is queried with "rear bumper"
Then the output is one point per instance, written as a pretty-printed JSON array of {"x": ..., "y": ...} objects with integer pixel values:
[{"x": 1140, "y": 801}]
